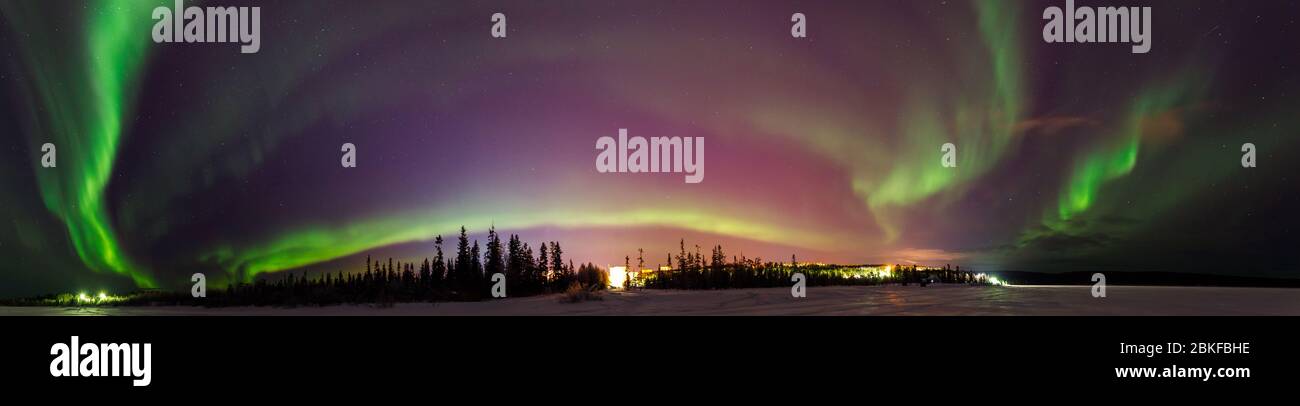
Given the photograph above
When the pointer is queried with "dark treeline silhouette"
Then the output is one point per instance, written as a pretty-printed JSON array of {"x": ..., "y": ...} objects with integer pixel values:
[
  {"x": 466, "y": 275},
  {"x": 690, "y": 270},
  {"x": 463, "y": 275}
]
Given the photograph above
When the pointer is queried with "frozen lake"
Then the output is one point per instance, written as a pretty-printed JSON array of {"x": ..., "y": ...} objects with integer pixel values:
[{"x": 840, "y": 300}]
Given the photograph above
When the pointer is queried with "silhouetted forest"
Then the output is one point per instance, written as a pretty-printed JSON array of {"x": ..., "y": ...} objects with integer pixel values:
[
  {"x": 462, "y": 275},
  {"x": 465, "y": 274},
  {"x": 690, "y": 270}
]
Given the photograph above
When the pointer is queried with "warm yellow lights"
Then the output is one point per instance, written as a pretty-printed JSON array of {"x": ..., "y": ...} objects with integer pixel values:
[
  {"x": 617, "y": 276},
  {"x": 83, "y": 298}
]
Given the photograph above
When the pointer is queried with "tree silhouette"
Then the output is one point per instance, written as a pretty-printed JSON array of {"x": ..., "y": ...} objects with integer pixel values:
[
  {"x": 462, "y": 278},
  {"x": 493, "y": 263},
  {"x": 437, "y": 269}
]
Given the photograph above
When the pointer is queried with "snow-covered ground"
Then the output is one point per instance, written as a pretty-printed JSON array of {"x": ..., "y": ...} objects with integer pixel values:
[{"x": 841, "y": 300}]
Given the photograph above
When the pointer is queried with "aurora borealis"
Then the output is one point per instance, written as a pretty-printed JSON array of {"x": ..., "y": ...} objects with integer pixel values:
[{"x": 183, "y": 158}]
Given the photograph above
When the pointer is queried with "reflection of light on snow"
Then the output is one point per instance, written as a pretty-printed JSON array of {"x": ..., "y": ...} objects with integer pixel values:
[
  {"x": 617, "y": 276},
  {"x": 992, "y": 280}
]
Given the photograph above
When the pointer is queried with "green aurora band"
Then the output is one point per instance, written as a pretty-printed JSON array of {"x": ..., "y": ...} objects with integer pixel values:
[
  {"x": 982, "y": 131},
  {"x": 86, "y": 101},
  {"x": 1117, "y": 157}
]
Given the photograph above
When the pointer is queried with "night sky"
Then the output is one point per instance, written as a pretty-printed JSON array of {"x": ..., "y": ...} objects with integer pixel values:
[{"x": 183, "y": 158}]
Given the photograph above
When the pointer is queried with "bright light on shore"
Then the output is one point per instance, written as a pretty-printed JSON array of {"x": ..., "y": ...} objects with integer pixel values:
[{"x": 617, "y": 276}]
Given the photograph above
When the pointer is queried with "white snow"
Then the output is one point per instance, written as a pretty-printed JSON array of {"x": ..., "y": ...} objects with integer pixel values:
[{"x": 840, "y": 300}]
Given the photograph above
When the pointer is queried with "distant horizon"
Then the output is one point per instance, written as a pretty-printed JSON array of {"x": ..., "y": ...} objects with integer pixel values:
[{"x": 1122, "y": 280}]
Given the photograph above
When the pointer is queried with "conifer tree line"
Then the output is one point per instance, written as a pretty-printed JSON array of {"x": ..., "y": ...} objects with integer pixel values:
[
  {"x": 465, "y": 274},
  {"x": 461, "y": 275},
  {"x": 689, "y": 270}
]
